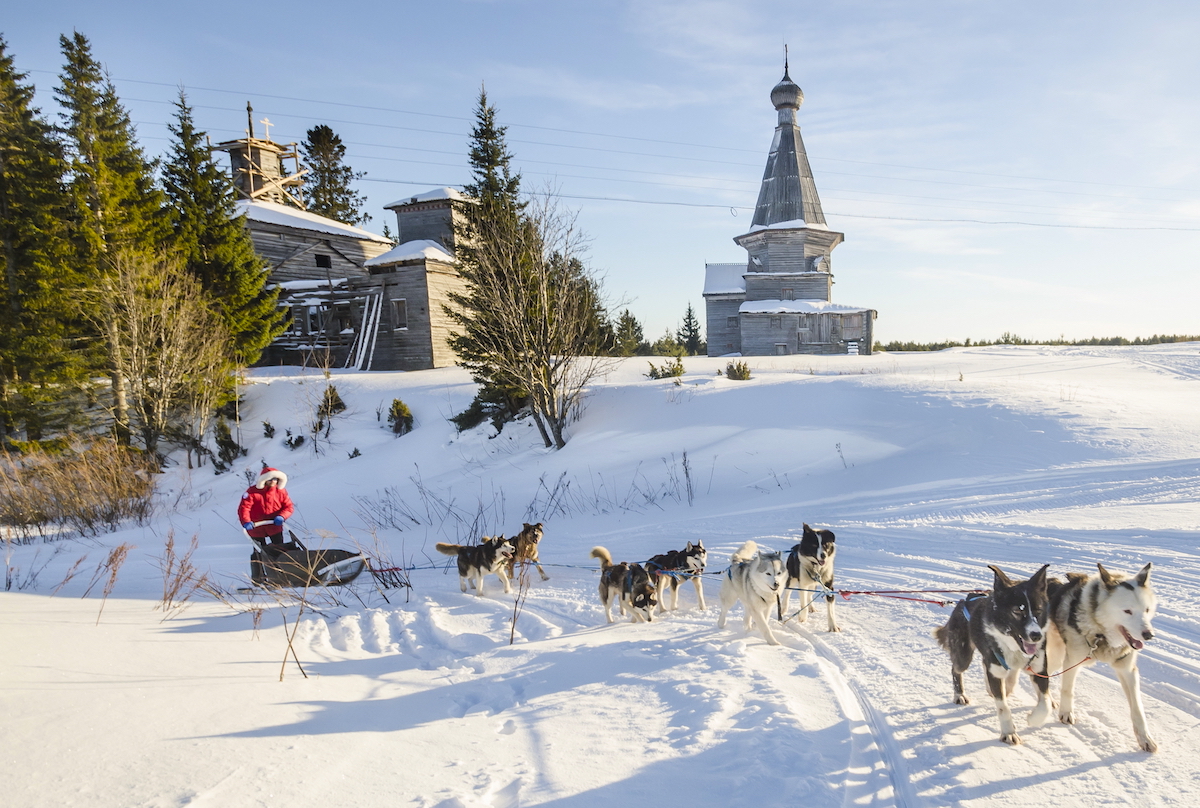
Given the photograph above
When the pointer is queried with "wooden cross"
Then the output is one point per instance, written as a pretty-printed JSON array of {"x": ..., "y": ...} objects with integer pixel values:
[{"x": 266, "y": 122}]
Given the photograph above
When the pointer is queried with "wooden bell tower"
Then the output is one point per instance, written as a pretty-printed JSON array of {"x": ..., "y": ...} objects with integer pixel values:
[{"x": 259, "y": 172}]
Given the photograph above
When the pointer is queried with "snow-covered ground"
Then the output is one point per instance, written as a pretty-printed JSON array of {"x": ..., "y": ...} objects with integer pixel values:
[{"x": 927, "y": 466}]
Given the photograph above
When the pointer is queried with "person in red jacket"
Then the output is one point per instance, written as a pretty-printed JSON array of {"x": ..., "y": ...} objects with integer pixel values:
[{"x": 263, "y": 501}]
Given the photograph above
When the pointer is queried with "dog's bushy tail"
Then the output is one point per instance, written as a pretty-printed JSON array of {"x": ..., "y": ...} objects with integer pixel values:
[
  {"x": 604, "y": 556},
  {"x": 942, "y": 635},
  {"x": 446, "y": 549},
  {"x": 744, "y": 553}
]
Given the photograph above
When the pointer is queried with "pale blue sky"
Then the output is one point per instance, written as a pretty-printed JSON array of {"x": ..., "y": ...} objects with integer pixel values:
[{"x": 1070, "y": 113}]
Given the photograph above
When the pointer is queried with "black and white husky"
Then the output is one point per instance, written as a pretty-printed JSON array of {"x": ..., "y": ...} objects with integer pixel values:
[
  {"x": 1008, "y": 627},
  {"x": 809, "y": 565},
  {"x": 1103, "y": 618},
  {"x": 629, "y": 585},
  {"x": 669, "y": 568},
  {"x": 754, "y": 577},
  {"x": 489, "y": 557}
]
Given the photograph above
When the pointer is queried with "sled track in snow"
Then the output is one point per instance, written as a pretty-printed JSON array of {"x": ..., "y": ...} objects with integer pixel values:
[{"x": 881, "y": 742}]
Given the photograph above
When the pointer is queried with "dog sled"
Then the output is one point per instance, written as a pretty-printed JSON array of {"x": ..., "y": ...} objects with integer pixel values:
[{"x": 292, "y": 564}]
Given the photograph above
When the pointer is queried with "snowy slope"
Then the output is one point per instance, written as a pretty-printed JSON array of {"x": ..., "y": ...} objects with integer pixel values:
[{"x": 927, "y": 466}]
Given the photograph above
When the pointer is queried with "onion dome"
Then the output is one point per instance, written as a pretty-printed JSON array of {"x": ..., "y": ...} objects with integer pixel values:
[{"x": 787, "y": 94}]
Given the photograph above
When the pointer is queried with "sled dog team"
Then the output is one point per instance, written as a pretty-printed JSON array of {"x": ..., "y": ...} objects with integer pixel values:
[{"x": 1042, "y": 626}]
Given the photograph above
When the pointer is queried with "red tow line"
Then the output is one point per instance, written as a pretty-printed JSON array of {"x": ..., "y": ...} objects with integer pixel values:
[{"x": 903, "y": 594}]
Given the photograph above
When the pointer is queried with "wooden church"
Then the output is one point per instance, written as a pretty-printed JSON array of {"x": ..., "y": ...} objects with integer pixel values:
[
  {"x": 355, "y": 298},
  {"x": 778, "y": 302}
]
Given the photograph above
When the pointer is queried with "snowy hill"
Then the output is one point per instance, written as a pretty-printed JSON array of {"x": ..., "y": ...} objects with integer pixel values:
[{"x": 927, "y": 466}]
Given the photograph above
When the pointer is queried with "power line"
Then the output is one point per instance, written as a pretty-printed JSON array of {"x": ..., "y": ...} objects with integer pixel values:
[
  {"x": 830, "y": 213},
  {"x": 632, "y": 138}
]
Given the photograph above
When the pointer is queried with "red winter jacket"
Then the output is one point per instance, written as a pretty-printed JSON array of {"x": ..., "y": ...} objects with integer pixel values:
[{"x": 264, "y": 503}]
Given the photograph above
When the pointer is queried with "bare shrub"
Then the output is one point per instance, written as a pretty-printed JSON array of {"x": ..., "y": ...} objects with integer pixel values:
[
  {"x": 181, "y": 578},
  {"x": 109, "y": 567},
  {"x": 90, "y": 490}
]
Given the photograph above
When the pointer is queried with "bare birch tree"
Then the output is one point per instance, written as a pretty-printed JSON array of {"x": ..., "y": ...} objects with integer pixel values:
[{"x": 171, "y": 344}]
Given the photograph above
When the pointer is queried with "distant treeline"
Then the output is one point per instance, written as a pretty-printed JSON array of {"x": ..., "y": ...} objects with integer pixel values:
[{"x": 1012, "y": 339}]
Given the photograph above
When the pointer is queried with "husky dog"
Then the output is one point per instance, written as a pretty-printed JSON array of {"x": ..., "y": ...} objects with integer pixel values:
[
  {"x": 754, "y": 577},
  {"x": 490, "y": 557},
  {"x": 669, "y": 567},
  {"x": 809, "y": 565},
  {"x": 1008, "y": 627},
  {"x": 628, "y": 584},
  {"x": 1102, "y": 619},
  {"x": 527, "y": 549}
]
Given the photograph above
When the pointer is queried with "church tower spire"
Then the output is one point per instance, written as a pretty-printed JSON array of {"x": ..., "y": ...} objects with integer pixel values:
[{"x": 788, "y": 192}]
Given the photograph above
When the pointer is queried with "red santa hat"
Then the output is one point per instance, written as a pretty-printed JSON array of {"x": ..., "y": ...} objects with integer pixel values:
[{"x": 269, "y": 473}]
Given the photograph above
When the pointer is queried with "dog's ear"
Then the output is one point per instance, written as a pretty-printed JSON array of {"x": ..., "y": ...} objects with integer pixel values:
[
  {"x": 1143, "y": 577},
  {"x": 1038, "y": 581},
  {"x": 1107, "y": 577},
  {"x": 1002, "y": 580}
]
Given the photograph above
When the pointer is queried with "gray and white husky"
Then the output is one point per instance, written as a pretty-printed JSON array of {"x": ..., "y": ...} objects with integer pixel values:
[
  {"x": 754, "y": 577},
  {"x": 810, "y": 565},
  {"x": 1103, "y": 618}
]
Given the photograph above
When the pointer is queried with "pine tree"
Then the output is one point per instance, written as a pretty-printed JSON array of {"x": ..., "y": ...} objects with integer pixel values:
[
  {"x": 36, "y": 364},
  {"x": 327, "y": 190},
  {"x": 211, "y": 239},
  {"x": 629, "y": 334},
  {"x": 115, "y": 206},
  {"x": 689, "y": 333}
]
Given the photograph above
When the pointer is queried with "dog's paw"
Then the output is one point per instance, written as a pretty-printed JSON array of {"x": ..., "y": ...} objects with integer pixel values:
[
  {"x": 1066, "y": 718},
  {"x": 1147, "y": 744},
  {"x": 835, "y": 627},
  {"x": 961, "y": 700},
  {"x": 1012, "y": 739}
]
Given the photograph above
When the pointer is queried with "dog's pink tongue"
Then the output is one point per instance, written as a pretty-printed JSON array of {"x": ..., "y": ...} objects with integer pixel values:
[
  {"x": 1030, "y": 648},
  {"x": 1134, "y": 643}
]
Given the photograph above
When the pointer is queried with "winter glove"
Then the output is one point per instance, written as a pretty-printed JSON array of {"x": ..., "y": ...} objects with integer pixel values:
[
  {"x": 248, "y": 525},
  {"x": 278, "y": 520}
]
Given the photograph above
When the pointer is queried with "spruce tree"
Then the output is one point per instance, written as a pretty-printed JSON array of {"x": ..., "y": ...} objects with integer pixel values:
[
  {"x": 115, "y": 206},
  {"x": 531, "y": 323},
  {"x": 36, "y": 364},
  {"x": 688, "y": 335},
  {"x": 493, "y": 205},
  {"x": 211, "y": 239},
  {"x": 629, "y": 336},
  {"x": 327, "y": 190}
]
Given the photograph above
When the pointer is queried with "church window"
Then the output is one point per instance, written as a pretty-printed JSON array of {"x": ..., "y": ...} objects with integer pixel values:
[
  {"x": 731, "y": 322},
  {"x": 787, "y": 294},
  {"x": 399, "y": 314},
  {"x": 781, "y": 349},
  {"x": 324, "y": 261},
  {"x": 776, "y": 322}
]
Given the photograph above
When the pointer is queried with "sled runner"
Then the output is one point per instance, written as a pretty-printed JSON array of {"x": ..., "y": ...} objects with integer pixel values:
[{"x": 293, "y": 564}]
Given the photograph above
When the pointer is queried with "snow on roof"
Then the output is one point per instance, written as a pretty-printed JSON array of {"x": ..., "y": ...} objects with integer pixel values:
[
  {"x": 428, "y": 196},
  {"x": 794, "y": 224},
  {"x": 302, "y": 286},
  {"x": 797, "y": 307},
  {"x": 421, "y": 249},
  {"x": 286, "y": 216},
  {"x": 724, "y": 279}
]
